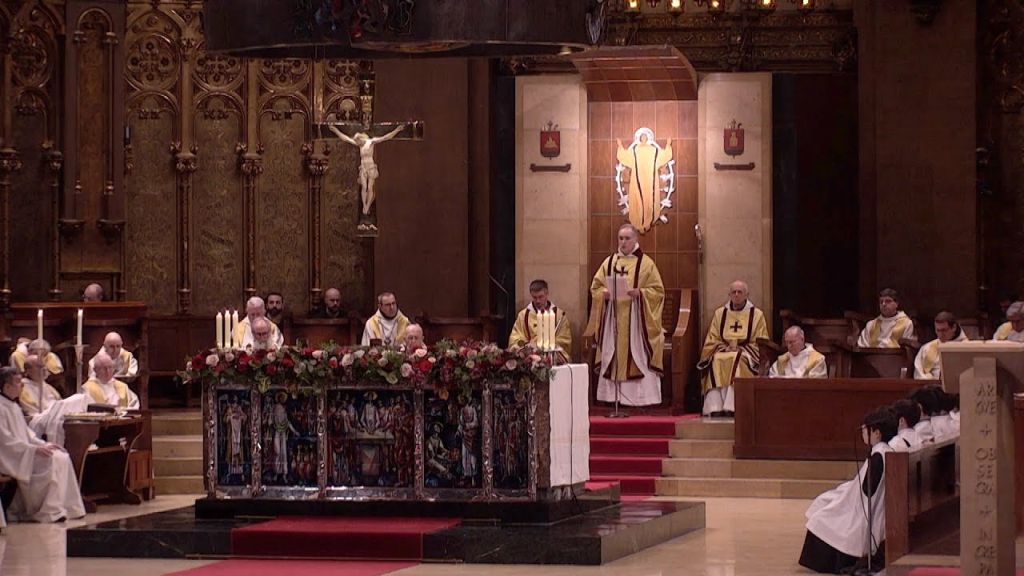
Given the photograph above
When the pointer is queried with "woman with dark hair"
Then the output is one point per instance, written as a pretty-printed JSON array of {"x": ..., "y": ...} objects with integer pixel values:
[{"x": 847, "y": 523}]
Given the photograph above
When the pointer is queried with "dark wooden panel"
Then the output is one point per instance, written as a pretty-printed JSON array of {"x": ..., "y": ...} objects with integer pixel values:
[
  {"x": 315, "y": 332},
  {"x": 808, "y": 419}
]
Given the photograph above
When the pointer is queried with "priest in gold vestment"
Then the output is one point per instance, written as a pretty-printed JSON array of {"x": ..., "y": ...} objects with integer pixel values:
[
  {"x": 928, "y": 362},
  {"x": 1013, "y": 329},
  {"x": 627, "y": 327},
  {"x": 730, "y": 350},
  {"x": 525, "y": 329},
  {"x": 891, "y": 325}
]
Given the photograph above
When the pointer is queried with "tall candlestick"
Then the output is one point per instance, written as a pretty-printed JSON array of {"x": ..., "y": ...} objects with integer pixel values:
[
  {"x": 39, "y": 323},
  {"x": 220, "y": 330},
  {"x": 80, "y": 327}
]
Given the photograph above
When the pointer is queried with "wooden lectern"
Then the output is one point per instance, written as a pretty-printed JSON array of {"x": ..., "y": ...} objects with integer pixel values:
[{"x": 986, "y": 374}]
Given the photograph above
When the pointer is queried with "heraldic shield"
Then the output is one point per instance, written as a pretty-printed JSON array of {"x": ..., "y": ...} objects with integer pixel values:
[{"x": 651, "y": 180}]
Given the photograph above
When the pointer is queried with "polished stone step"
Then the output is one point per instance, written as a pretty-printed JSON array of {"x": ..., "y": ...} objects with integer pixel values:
[
  {"x": 179, "y": 485},
  {"x": 178, "y": 423},
  {"x": 185, "y": 446},
  {"x": 783, "y": 469},
  {"x": 700, "y": 448},
  {"x": 706, "y": 429},
  {"x": 742, "y": 487},
  {"x": 178, "y": 466}
]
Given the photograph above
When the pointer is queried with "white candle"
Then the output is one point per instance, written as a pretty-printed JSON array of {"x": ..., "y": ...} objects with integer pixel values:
[
  {"x": 234, "y": 327},
  {"x": 220, "y": 330},
  {"x": 227, "y": 328},
  {"x": 39, "y": 323},
  {"x": 79, "y": 326}
]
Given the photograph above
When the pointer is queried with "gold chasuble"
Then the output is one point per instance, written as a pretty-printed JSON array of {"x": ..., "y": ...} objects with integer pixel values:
[
  {"x": 718, "y": 365},
  {"x": 94, "y": 390},
  {"x": 524, "y": 331},
  {"x": 629, "y": 334},
  {"x": 645, "y": 160}
]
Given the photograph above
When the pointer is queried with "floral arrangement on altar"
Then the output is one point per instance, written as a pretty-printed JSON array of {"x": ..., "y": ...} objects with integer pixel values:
[{"x": 446, "y": 367}]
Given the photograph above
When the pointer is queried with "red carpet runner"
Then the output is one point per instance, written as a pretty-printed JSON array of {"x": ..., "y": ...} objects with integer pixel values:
[
  {"x": 935, "y": 571},
  {"x": 294, "y": 568},
  {"x": 630, "y": 450},
  {"x": 337, "y": 537}
]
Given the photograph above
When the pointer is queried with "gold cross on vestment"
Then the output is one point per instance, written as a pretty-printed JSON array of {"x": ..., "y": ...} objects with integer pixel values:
[
  {"x": 621, "y": 271},
  {"x": 735, "y": 326}
]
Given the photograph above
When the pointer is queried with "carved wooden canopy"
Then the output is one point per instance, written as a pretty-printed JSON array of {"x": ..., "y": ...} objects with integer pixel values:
[
  {"x": 636, "y": 73},
  {"x": 389, "y": 28}
]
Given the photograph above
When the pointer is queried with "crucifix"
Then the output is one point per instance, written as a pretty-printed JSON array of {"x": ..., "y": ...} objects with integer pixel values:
[
  {"x": 735, "y": 326},
  {"x": 366, "y": 136}
]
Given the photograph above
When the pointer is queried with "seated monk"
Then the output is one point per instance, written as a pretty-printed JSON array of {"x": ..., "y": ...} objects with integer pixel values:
[
  {"x": 47, "y": 487},
  {"x": 730, "y": 350},
  {"x": 889, "y": 327},
  {"x": 414, "y": 338},
  {"x": 388, "y": 324},
  {"x": 255, "y": 308},
  {"x": 125, "y": 365},
  {"x": 102, "y": 389},
  {"x": 276, "y": 311},
  {"x": 36, "y": 394},
  {"x": 524, "y": 331},
  {"x": 92, "y": 293},
  {"x": 38, "y": 347},
  {"x": 927, "y": 365},
  {"x": 1013, "y": 329},
  {"x": 331, "y": 308},
  {"x": 801, "y": 359}
]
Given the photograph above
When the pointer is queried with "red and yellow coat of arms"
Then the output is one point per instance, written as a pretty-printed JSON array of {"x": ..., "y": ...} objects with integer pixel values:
[{"x": 651, "y": 180}]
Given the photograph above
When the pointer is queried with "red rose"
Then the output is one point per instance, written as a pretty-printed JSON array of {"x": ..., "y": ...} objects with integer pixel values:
[
  {"x": 220, "y": 367},
  {"x": 287, "y": 362},
  {"x": 260, "y": 355},
  {"x": 333, "y": 362},
  {"x": 198, "y": 362},
  {"x": 307, "y": 351},
  {"x": 271, "y": 369},
  {"x": 243, "y": 364}
]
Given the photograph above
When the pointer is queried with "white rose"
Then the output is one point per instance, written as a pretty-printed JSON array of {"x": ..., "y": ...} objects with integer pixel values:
[
  {"x": 360, "y": 353},
  {"x": 470, "y": 364},
  {"x": 432, "y": 360},
  {"x": 382, "y": 362},
  {"x": 419, "y": 353},
  {"x": 406, "y": 370},
  {"x": 271, "y": 357},
  {"x": 347, "y": 360},
  {"x": 212, "y": 360},
  {"x": 510, "y": 365},
  {"x": 318, "y": 354}
]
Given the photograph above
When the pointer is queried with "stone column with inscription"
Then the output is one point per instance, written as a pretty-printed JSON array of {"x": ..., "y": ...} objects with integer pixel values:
[{"x": 986, "y": 375}]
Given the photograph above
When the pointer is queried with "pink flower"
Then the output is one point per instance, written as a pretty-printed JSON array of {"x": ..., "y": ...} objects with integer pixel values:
[
  {"x": 333, "y": 362},
  {"x": 359, "y": 353},
  {"x": 383, "y": 362},
  {"x": 347, "y": 359},
  {"x": 470, "y": 364},
  {"x": 318, "y": 354},
  {"x": 406, "y": 370},
  {"x": 510, "y": 365},
  {"x": 212, "y": 360},
  {"x": 419, "y": 353}
]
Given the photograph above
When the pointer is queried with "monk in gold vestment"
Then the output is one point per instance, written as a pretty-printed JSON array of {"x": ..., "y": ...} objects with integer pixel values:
[
  {"x": 625, "y": 319},
  {"x": 526, "y": 329},
  {"x": 730, "y": 350}
]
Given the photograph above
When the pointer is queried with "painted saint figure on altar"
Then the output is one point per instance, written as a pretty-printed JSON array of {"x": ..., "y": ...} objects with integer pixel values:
[
  {"x": 625, "y": 319},
  {"x": 469, "y": 428},
  {"x": 282, "y": 426},
  {"x": 234, "y": 441}
]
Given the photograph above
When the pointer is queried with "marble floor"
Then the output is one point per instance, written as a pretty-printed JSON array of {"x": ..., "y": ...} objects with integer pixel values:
[{"x": 743, "y": 536}]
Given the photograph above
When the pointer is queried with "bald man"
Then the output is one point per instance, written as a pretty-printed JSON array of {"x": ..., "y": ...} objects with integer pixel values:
[
  {"x": 36, "y": 394},
  {"x": 261, "y": 335},
  {"x": 125, "y": 365},
  {"x": 92, "y": 293},
  {"x": 801, "y": 360},
  {"x": 38, "y": 347},
  {"x": 1013, "y": 329},
  {"x": 414, "y": 338},
  {"x": 730, "y": 350},
  {"x": 255, "y": 308},
  {"x": 331, "y": 307}
]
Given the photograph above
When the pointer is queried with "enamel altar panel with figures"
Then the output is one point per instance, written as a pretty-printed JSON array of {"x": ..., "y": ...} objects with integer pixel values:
[
  {"x": 511, "y": 447},
  {"x": 453, "y": 434},
  {"x": 234, "y": 446},
  {"x": 291, "y": 453},
  {"x": 370, "y": 436}
]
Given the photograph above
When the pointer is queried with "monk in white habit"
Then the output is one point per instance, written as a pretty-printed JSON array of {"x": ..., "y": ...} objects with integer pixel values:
[
  {"x": 125, "y": 364},
  {"x": 255, "y": 308},
  {"x": 41, "y": 348},
  {"x": 101, "y": 389},
  {"x": 414, "y": 338},
  {"x": 625, "y": 320},
  {"x": 525, "y": 329},
  {"x": 730, "y": 350},
  {"x": 388, "y": 324},
  {"x": 927, "y": 364},
  {"x": 36, "y": 394},
  {"x": 47, "y": 487},
  {"x": 1013, "y": 329},
  {"x": 837, "y": 520},
  {"x": 801, "y": 360},
  {"x": 891, "y": 325}
]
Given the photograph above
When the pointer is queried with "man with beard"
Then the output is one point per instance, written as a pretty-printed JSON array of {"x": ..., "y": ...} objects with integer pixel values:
[
  {"x": 331, "y": 308},
  {"x": 388, "y": 324},
  {"x": 275, "y": 308}
]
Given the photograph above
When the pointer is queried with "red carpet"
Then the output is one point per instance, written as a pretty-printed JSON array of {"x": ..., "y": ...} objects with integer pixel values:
[
  {"x": 337, "y": 537},
  {"x": 630, "y": 450},
  {"x": 933, "y": 571},
  {"x": 294, "y": 568}
]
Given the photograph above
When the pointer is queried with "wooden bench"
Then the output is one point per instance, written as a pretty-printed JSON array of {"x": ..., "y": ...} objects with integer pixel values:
[
  {"x": 481, "y": 328},
  {"x": 922, "y": 499}
]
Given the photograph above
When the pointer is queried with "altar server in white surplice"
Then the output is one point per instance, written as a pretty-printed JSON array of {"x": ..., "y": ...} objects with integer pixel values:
[
  {"x": 908, "y": 414},
  {"x": 837, "y": 520},
  {"x": 801, "y": 360},
  {"x": 625, "y": 319},
  {"x": 47, "y": 487},
  {"x": 890, "y": 326},
  {"x": 1013, "y": 329},
  {"x": 927, "y": 364}
]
